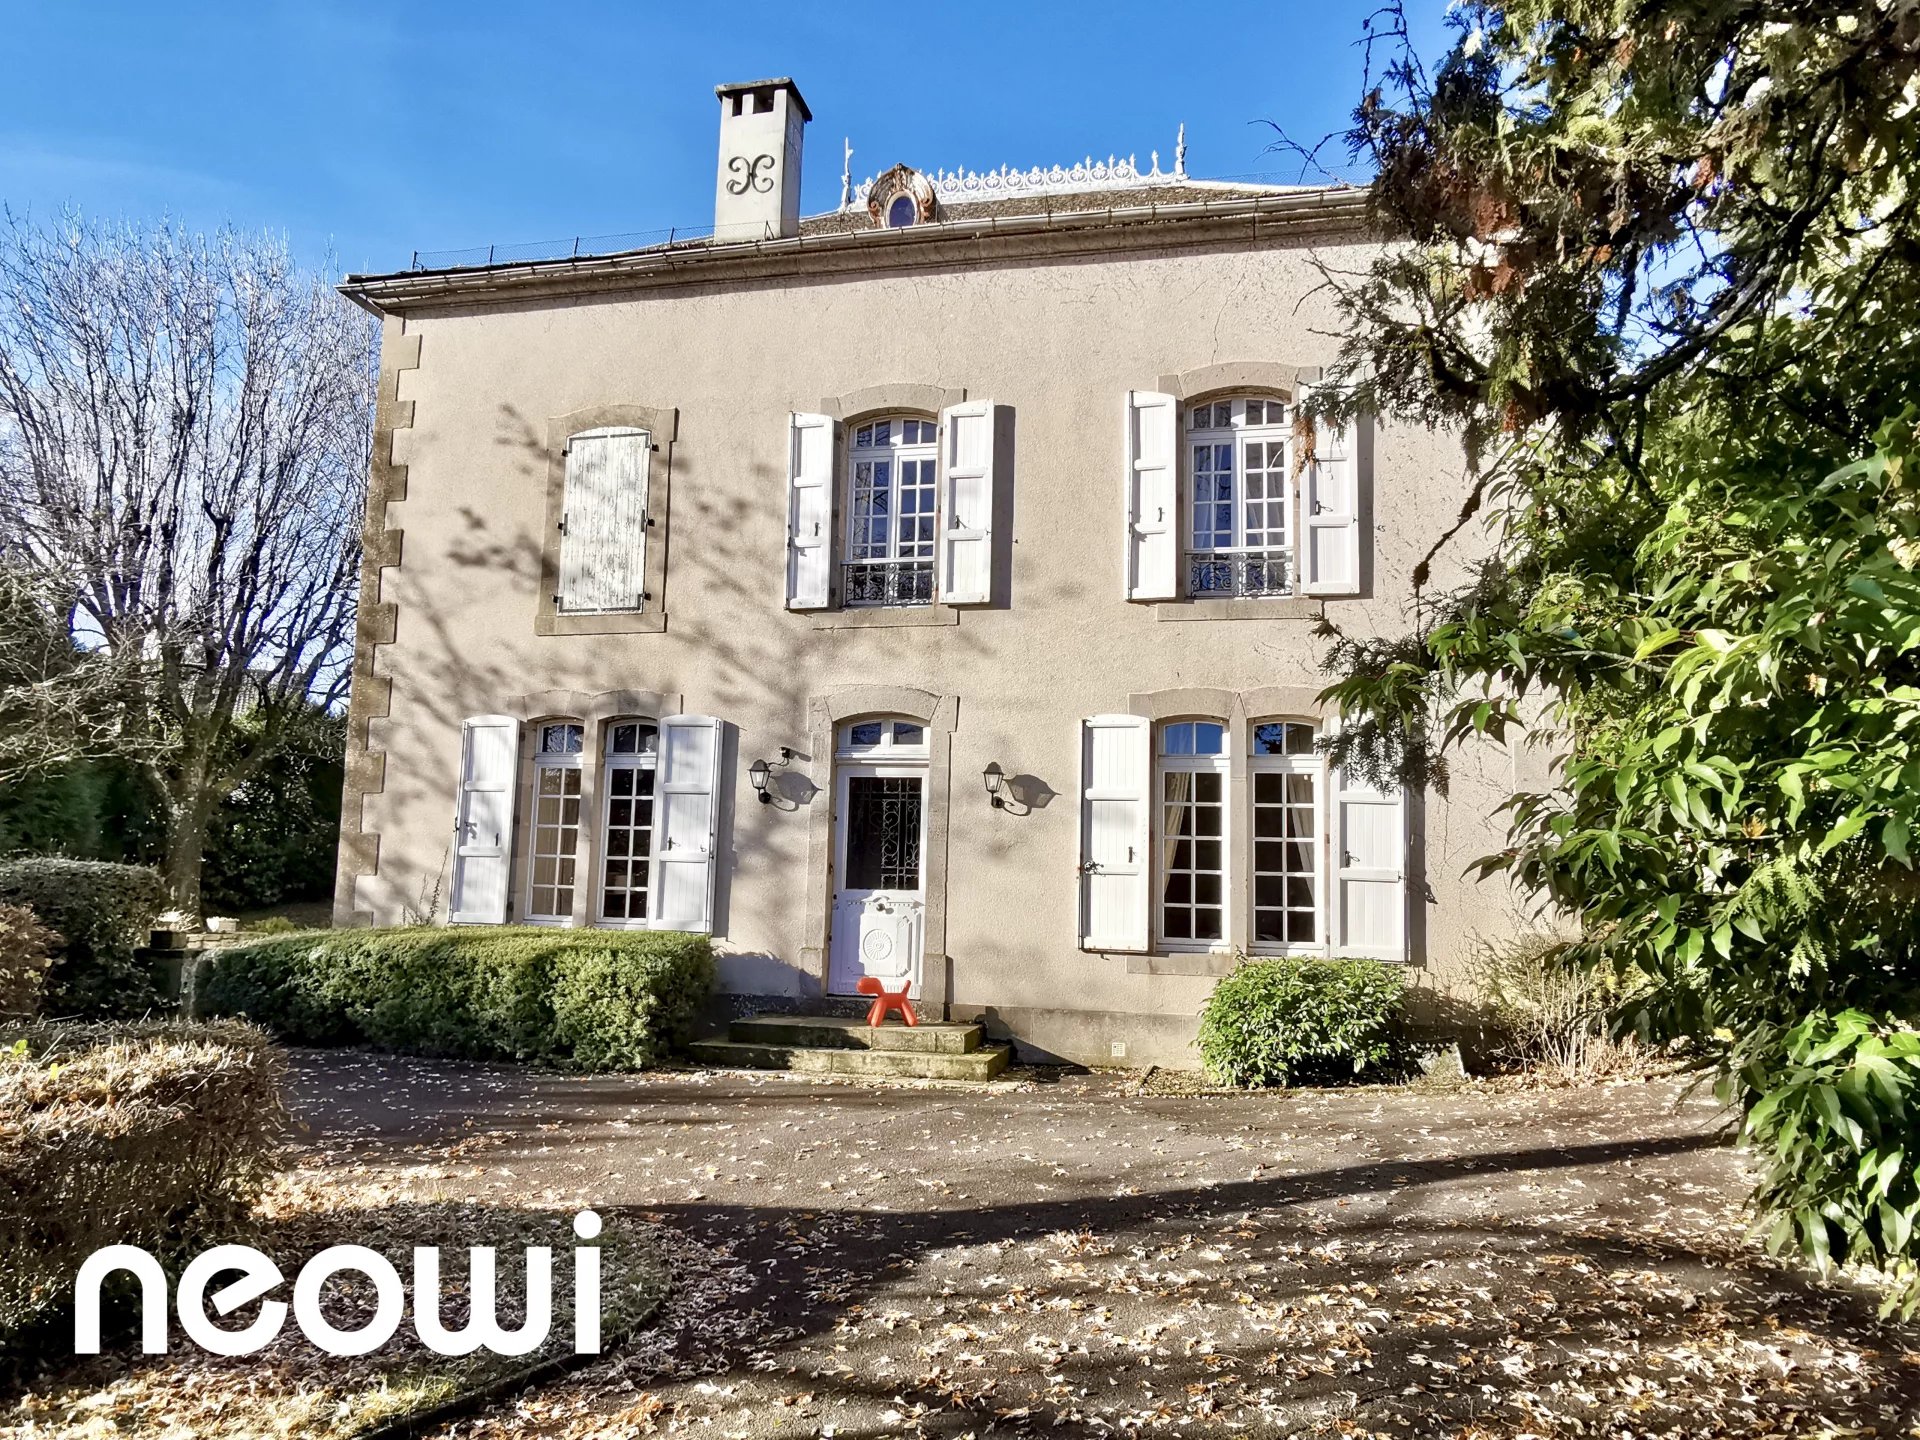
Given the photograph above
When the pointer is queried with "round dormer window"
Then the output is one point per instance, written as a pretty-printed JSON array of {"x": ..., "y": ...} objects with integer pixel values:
[{"x": 902, "y": 212}]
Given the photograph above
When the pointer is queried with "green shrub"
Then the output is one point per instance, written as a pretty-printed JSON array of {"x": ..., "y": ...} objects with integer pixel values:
[
  {"x": 274, "y": 925},
  {"x": 103, "y": 913},
  {"x": 1290, "y": 1022},
  {"x": 153, "y": 1135},
  {"x": 594, "y": 999},
  {"x": 26, "y": 952}
]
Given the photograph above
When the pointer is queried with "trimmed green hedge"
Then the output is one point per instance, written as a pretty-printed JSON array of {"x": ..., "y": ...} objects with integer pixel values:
[
  {"x": 1305, "y": 1022},
  {"x": 593, "y": 999},
  {"x": 102, "y": 913}
]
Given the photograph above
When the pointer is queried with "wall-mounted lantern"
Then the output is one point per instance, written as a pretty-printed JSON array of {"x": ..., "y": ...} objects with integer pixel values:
[
  {"x": 995, "y": 779},
  {"x": 760, "y": 772}
]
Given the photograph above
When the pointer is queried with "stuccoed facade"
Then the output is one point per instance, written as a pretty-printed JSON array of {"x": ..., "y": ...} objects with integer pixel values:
[{"x": 708, "y": 409}]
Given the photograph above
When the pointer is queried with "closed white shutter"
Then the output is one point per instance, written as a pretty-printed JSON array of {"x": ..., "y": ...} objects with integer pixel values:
[
  {"x": 966, "y": 503},
  {"x": 483, "y": 819},
  {"x": 809, "y": 511},
  {"x": 603, "y": 522},
  {"x": 1369, "y": 870},
  {"x": 686, "y": 830},
  {"x": 1153, "y": 496},
  {"x": 1330, "y": 502},
  {"x": 1116, "y": 775}
]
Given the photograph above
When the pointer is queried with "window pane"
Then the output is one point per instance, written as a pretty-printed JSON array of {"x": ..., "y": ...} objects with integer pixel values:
[
  {"x": 905, "y": 734},
  {"x": 883, "y": 832},
  {"x": 1209, "y": 739},
  {"x": 867, "y": 732},
  {"x": 1177, "y": 739}
]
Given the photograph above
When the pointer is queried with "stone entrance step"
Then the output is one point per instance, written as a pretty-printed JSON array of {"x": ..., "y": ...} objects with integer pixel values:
[{"x": 847, "y": 1045}]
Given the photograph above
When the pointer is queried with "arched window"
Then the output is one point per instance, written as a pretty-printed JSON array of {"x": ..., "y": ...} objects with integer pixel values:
[
  {"x": 1241, "y": 515},
  {"x": 892, "y": 495},
  {"x": 902, "y": 212},
  {"x": 626, "y": 852},
  {"x": 1192, "y": 768},
  {"x": 555, "y": 837},
  {"x": 1288, "y": 819}
]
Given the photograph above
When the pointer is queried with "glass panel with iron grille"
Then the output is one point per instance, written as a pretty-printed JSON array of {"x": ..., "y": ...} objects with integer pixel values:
[
  {"x": 1241, "y": 499},
  {"x": 893, "y": 503},
  {"x": 883, "y": 832}
]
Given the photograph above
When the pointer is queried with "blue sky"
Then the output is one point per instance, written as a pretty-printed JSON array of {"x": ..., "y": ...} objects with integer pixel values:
[{"x": 372, "y": 130}]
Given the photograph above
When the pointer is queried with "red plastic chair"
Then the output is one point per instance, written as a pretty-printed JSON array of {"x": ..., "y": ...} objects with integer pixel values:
[{"x": 885, "y": 1000}]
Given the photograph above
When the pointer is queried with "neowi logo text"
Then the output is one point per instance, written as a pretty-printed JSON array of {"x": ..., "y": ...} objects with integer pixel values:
[{"x": 261, "y": 1277}]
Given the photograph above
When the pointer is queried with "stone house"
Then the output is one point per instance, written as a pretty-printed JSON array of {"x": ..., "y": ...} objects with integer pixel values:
[{"x": 927, "y": 589}]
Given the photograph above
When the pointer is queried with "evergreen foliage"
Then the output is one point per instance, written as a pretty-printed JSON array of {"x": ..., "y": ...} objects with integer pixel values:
[{"x": 1665, "y": 277}]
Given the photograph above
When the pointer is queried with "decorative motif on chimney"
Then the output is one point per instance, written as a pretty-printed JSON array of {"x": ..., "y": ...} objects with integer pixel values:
[{"x": 750, "y": 176}]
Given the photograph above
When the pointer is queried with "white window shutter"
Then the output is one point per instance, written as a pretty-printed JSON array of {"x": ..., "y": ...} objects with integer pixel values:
[
  {"x": 809, "y": 511},
  {"x": 1116, "y": 785},
  {"x": 1330, "y": 503},
  {"x": 686, "y": 830},
  {"x": 1369, "y": 870},
  {"x": 967, "y": 484},
  {"x": 1153, "y": 496},
  {"x": 603, "y": 539},
  {"x": 483, "y": 819}
]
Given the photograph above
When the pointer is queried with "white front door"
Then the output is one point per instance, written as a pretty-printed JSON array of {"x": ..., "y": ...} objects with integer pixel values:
[{"x": 880, "y": 887}]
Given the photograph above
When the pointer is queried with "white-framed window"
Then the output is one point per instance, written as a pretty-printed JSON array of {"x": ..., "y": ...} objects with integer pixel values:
[
  {"x": 892, "y": 511},
  {"x": 882, "y": 740},
  {"x": 1191, "y": 770},
  {"x": 630, "y": 768},
  {"x": 1288, "y": 776},
  {"x": 1184, "y": 847},
  {"x": 1241, "y": 498},
  {"x": 554, "y": 838}
]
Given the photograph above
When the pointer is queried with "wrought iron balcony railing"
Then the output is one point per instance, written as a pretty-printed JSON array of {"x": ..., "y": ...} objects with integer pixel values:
[
  {"x": 887, "y": 582},
  {"x": 1219, "y": 574}
]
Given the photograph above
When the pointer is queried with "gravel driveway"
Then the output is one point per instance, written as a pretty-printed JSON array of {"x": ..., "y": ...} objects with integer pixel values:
[{"x": 1078, "y": 1257}]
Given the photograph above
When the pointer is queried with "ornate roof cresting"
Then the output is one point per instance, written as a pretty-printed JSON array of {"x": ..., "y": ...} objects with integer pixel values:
[{"x": 962, "y": 186}]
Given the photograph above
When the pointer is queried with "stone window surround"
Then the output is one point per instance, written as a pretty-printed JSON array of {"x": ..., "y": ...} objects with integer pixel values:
[
  {"x": 595, "y": 712},
  {"x": 662, "y": 427},
  {"x": 940, "y": 714},
  {"x": 1239, "y": 709},
  {"x": 847, "y": 411}
]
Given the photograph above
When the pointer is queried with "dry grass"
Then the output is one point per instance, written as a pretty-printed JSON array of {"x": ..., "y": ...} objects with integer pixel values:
[
  {"x": 1552, "y": 1019},
  {"x": 159, "y": 1136}
]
